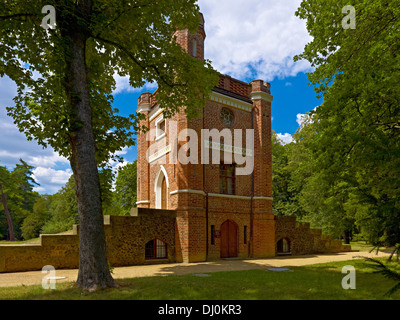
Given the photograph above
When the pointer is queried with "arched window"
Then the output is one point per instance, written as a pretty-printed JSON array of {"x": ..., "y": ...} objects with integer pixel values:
[
  {"x": 161, "y": 189},
  {"x": 156, "y": 249},
  {"x": 283, "y": 246},
  {"x": 194, "y": 49}
]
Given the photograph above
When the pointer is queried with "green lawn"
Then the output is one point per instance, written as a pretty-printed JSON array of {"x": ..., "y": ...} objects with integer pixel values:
[
  {"x": 31, "y": 241},
  {"x": 364, "y": 246},
  {"x": 316, "y": 282}
]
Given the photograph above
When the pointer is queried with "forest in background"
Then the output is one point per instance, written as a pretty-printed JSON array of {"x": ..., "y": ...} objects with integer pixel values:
[{"x": 32, "y": 213}]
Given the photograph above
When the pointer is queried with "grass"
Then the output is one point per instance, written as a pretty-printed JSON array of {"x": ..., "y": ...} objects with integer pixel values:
[
  {"x": 364, "y": 246},
  {"x": 30, "y": 241},
  {"x": 315, "y": 282}
]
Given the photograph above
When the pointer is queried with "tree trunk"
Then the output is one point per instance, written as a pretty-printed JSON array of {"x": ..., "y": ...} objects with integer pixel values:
[
  {"x": 94, "y": 271},
  {"x": 9, "y": 221},
  {"x": 347, "y": 236}
]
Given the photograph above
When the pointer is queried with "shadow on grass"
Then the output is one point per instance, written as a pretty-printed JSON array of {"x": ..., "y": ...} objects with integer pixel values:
[
  {"x": 317, "y": 282},
  {"x": 234, "y": 264}
]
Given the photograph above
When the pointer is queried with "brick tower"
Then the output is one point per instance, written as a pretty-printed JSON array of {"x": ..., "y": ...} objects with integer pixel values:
[{"x": 219, "y": 214}]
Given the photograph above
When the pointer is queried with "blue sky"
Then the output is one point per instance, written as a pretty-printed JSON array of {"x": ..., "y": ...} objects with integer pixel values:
[{"x": 248, "y": 40}]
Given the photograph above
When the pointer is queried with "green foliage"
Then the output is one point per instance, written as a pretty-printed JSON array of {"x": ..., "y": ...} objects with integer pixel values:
[
  {"x": 124, "y": 38},
  {"x": 285, "y": 191},
  {"x": 308, "y": 192},
  {"x": 65, "y": 80},
  {"x": 63, "y": 210},
  {"x": 17, "y": 185},
  {"x": 126, "y": 188},
  {"x": 313, "y": 282},
  {"x": 35, "y": 220},
  {"x": 57, "y": 213},
  {"x": 388, "y": 272},
  {"x": 106, "y": 176},
  {"x": 347, "y": 155}
]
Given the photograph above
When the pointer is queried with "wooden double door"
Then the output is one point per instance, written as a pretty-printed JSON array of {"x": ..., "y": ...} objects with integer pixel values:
[{"x": 229, "y": 239}]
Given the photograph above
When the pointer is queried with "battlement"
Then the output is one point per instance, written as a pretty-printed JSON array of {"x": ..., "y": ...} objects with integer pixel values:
[
  {"x": 126, "y": 237},
  {"x": 306, "y": 240}
]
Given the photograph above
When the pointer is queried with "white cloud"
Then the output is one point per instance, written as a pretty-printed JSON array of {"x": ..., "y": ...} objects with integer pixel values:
[
  {"x": 50, "y": 180},
  {"x": 47, "y": 160},
  {"x": 15, "y": 146},
  {"x": 122, "y": 85},
  {"x": 285, "y": 138},
  {"x": 248, "y": 39},
  {"x": 301, "y": 117},
  {"x": 115, "y": 165},
  {"x": 254, "y": 39}
]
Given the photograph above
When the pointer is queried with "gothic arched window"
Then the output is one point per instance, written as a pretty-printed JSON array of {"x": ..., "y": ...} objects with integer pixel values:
[{"x": 194, "y": 48}]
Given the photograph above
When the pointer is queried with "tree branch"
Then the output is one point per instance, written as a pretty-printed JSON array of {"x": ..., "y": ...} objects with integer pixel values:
[
  {"x": 366, "y": 40},
  {"x": 389, "y": 125},
  {"x": 135, "y": 60},
  {"x": 119, "y": 16},
  {"x": 18, "y": 15}
]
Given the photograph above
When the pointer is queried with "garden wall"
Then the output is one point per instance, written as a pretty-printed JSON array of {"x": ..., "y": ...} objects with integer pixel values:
[
  {"x": 305, "y": 240},
  {"x": 125, "y": 237}
]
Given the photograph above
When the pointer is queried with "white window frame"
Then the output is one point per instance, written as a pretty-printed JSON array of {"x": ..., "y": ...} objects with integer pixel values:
[
  {"x": 158, "y": 187},
  {"x": 158, "y": 122},
  {"x": 194, "y": 48}
]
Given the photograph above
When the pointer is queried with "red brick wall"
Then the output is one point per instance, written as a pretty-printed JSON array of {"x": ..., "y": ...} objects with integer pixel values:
[
  {"x": 196, "y": 215},
  {"x": 193, "y": 222}
]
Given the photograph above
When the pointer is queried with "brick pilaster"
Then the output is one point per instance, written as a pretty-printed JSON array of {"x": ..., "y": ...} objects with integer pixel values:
[
  {"x": 143, "y": 167},
  {"x": 263, "y": 240}
]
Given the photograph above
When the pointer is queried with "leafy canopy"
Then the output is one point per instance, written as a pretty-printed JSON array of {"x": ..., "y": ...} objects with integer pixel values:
[
  {"x": 356, "y": 147},
  {"x": 128, "y": 38}
]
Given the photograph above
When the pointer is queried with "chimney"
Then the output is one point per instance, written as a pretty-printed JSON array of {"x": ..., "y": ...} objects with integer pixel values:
[{"x": 193, "y": 44}]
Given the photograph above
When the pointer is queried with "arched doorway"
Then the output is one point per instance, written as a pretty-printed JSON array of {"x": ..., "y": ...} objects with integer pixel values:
[
  {"x": 161, "y": 189},
  {"x": 229, "y": 239},
  {"x": 283, "y": 246},
  {"x": 164, "y": 194}
]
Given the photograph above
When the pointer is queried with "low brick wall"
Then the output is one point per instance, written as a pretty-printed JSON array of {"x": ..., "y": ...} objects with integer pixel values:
[
  {"x": 303, "y": 239},
  {"x": 125, "y": 237}
]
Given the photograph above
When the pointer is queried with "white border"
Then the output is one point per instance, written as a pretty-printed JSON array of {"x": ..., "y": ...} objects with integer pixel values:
[
  {"x": 232, "y": 102},
  {"x": 161, "y": 119},
  {"x": 227, "y": 148},
  {"x": 143, "y": 202},
  {"x": 158, "y": 188},
  {"x": 261, "y": 95},
  {"x": 188, "y": 191},
  {"x": 160, "y": 153},
  {"x": 220, "y": 195}
]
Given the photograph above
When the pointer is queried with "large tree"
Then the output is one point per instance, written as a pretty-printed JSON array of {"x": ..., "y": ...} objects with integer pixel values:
[
  {"x": 65, "y": 79},
  {"x": 5, "y": 181},
  {"x": 17, "y": 196},
  {"x": 125, "y": 188},
  {"x": 357, "y": 71}
]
